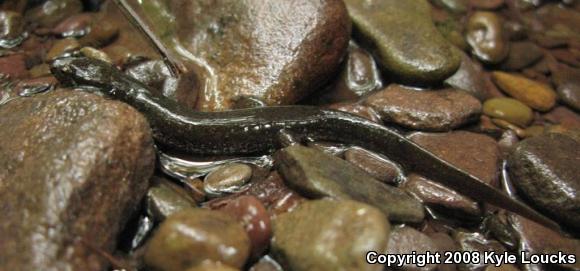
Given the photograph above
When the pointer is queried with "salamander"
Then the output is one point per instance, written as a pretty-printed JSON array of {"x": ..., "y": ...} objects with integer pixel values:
[{"x": 255, "y": 130}]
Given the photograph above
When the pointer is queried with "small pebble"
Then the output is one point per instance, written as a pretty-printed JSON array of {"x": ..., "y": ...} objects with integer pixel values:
[
  {"x": 536, "y": 95},
  {"x": 74, "y": 26},
  {"x": 256, "y": 220},
  {"x": 165, "y": 198},
  {"x": 486, "y": 37},
  {"x": 441, "y": 197},
  {"x": 188, "y": 238},
  {"x": 377, "y": 166},
  {"x": 227, "y": 179},
  {"x": 61, "y": 47},
  {"x": 96, "y": 54},
  {"x": 39, "y": 70},
  {"x": 510, "y": 110},
  {"x": 102, "y": 33},
  {"x": 51, "y": 12},
  {"x": 274, "y": 194}
]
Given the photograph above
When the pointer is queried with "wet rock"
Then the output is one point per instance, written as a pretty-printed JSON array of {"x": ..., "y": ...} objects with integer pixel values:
[
  {"x": 360, "y": 75},
  {"x": 486, "y": 37},
  {"x": 317, "y": 174},
  {"x": 430, "y": 110},
  {"x": 375, "y": 165},
  {"x": 227, "y": 179},
  {"x": 545, "y": 170},
  {"x": 360, "y": 110},
  {"x": 510, "y": 110},
  {"x": 188, "y": 238},
  {"x": 508, "y": 141},
  {"x": 441, "y": 198},
  {"x": 469, "y": 78},
  {"x": 118, "y": 37},
  {"x": 536, "y": 95},
  {"x": 454, "y": 6},
  {"x": 11, "y": 29},
  {"x": 516, "y": 31},
  {"x": 331, "y": 148},
  {"x": 256, "y": 220},
  {"x": 476, "y": 242},
  {"x": 567, "y": 81},
  {"x": 165, "y": 198},
  {"x": 444, "y": 243},
  {"x": 96, "y": 54},
  {"x": 74, "y": 26},
  {"x": 157, "y": 76},
  {"x": 31, "y": 87},
  {"x": 194, "y": 187},
  {"x": 13, "y": 66},
  {"x": 486, "y": 4},
  {"x": 521, "y": 55},
  {"x": 477, "y": 154},
  {"x": 75, "y": 166},
  {"x": 451, "y": 29},
  {"x": 39, "y": 70},
  {"x": 274, "y": 194},
  {"x": 62, "y": 47},
  {"x": 102, "y": 33},
  {"x": 407, "y": 42},
  {"x": 212, "y": 266},
  {"x": 243, "y": 102},
  {"x": 266, "y": 263},
  {"x": 406, "y": 240},
  {"x": 564, "y": 117},
  {"x": 314, "y": 236},
  {"x": 260, "y": 52},
  {"x": 51, "y": 12},
  {"x": 537, "y": 239}
]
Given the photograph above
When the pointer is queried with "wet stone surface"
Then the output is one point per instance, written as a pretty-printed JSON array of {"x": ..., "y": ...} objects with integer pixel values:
[
  {"x": 312, "y": 237},
  {"x": 543, "y": 169},
  {"x": 227, "y": 179},
  {"x": 74, "y": 167},
  {"x": 375, "y": 165},
  {"x": 475, "y": 153},
  {"x": 249, "y": 53},
  {"x": 441, "y": 198},
  {"x": 165, "y": 198},
  {"x": 316, "y": 174},
  {"x": 494, "y": 83},
  {"x": 430, "y": 110},
  {"x": 217, "y": 237},
  {"x": 406, "y": 42}
]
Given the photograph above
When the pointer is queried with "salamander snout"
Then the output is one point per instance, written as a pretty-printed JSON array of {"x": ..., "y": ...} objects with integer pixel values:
[{"x": 81, "y": 71}]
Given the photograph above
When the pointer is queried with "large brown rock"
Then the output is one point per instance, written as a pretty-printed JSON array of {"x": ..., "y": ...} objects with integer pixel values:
[
  {"x": 278, "y": 51},
  {"x": 74, "y": 166}
]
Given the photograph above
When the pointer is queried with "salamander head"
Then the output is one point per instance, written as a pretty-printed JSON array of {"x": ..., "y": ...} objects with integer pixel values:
[{"x": 74, "y": 71}]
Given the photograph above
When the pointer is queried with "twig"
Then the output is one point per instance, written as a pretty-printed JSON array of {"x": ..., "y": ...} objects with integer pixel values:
[{"x": 138, "y": 23}]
